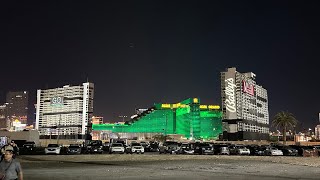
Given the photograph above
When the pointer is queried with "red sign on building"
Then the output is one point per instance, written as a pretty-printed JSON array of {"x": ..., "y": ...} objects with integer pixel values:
[{"x": 247, "y": 88}]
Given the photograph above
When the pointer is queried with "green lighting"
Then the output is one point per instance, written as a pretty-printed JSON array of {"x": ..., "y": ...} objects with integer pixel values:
[{"x": 185, "y": 118}]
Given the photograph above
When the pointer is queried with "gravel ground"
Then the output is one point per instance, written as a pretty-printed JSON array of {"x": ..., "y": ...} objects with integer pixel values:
[
  {"x": 304, "y": 161},
  {"x": 155, "y": 166}
]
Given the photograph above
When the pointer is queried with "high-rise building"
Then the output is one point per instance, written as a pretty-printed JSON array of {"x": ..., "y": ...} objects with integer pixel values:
[
  {"x": 244, "y": 106},
  {"x": 65, "y": 112},
  {"x": 3, "y": 117},
  {"x": 17, "y": 106},
  {"x": 317, "y": 132}
]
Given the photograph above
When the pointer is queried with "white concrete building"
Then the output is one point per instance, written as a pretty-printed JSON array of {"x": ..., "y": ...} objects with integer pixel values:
[
  {"x": 64, "y": 111},
  {"x": 244, "y": 106}
]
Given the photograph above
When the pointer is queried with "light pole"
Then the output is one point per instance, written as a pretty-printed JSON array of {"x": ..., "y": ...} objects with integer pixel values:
[{"x": 122, "y": 116}]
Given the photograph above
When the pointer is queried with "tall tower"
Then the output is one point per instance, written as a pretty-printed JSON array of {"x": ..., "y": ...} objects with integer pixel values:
[
  {"x": 244, "y": 106},
  {"x": 17, "y": 106},
  {"x": 65, "y": 111}
]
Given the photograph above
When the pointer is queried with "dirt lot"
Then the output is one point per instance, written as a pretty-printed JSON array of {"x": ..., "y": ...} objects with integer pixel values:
[{"x": 154, "y": 166}]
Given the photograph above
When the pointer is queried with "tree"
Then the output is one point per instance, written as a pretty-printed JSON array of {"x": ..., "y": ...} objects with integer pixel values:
[{"x": 284, "y": 121}]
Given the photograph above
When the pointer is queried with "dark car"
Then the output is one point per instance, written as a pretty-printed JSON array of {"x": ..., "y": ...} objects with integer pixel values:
[
  {"x": 169, "y": 147},
  {"x": 256, "y": 150},
  {"x": 145, "y": 145},
  {"x": 74, "y": 149},
  {"x": 288, "y": 151},
  {"x": 154, "y": 146},
  {"x": 185, "y": 148},
  {"x": 203, "y": 148},
  {"x": 29, "y": 145},
  {"x": 94, "y": 146}
]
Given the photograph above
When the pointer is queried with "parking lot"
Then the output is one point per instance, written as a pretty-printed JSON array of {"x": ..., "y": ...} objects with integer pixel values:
[{"x": 167, "y": 166}]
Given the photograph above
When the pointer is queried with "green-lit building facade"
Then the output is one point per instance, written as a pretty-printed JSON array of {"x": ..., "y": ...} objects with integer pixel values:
[{"x": 188, "y": 118}]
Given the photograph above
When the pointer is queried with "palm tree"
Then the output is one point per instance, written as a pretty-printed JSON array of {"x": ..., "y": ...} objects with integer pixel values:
[{"x": 284, "y": 120}]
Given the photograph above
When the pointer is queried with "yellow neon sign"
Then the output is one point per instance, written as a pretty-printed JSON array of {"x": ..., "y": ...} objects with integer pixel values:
[
  {"x": 203, "y": 107},
  {"x": 166, "y": 105},
  {"x": 195, "y": 100},
  {"x": 174, "y": 106},
  {"x": 214, "y": 107}
]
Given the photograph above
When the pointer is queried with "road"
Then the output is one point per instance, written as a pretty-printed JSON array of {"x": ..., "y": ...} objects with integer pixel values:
[{"x": 165, "y": 167}]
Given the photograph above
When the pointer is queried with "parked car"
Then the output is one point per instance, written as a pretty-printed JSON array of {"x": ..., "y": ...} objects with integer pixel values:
[
  {"x": 94, "y": 146},
  {"x": 239, "y": 149},
  {"x": 242, "y": 150},
  {"x": 154, "y": 146},
  {"x": 74, "y": 149},
  {"x": 288, "y": 151},
  {"x": 29, "y": 145},
  {"x": 259, "y": 151},
  {"x": 273, "y": 151},
  {"x": 203, "y": 148},
  {"x": 116, "y": 148},
  {"x": 318, "y": 149},
  {"x": 135, "y": 148},
  {"x": 52, "y": 149},
  {"x": 185, "y": 148},
  {"x": 106, "y": 147},
  {"x": 169, "y": 147},
  {"x": 145, "y": 145},
  {"x": 224, "y": 150}
]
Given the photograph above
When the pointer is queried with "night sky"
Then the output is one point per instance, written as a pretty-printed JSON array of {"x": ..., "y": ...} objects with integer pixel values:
[{"x": 143, "y": 52}]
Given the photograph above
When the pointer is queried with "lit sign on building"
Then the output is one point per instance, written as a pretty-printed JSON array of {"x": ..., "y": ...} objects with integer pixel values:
[
  {"x": 213, "y": 107},
  {"x": 174, "y": 106},
  {"x": 57, "y": 101},
  {"x": 230, "y": 92},
  {"x": 195, "y": 100},
  {"x": 247, "y": 88}
]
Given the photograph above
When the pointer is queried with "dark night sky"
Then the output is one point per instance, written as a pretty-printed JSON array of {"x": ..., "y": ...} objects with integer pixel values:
[{"x": 141, "y": 52}]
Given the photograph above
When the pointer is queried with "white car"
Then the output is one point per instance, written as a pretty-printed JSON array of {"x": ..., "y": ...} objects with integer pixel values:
[
  {"x": 52, "y": 149},
  {"x": 244, "y": 151},
  {"x": 116, "y": 148},
  {"x": 272, "y": 151},
  {"x": 137, "y": 148}
]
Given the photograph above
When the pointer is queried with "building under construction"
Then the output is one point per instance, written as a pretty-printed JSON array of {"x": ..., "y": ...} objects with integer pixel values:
[{"x": 188, "y": 119}]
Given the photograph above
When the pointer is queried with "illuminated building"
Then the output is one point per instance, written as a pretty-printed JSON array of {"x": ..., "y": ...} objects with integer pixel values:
[
  {"x": 17, "y": 106},
  {"x": 244, "y": 107},
  {"x": 64, "y": 112},
  {"x": 317, "y": 132},
  {"x": 97, "y": 120},
  {"x": 3, "y": 117},
  {"x": 188, "y": 118}
]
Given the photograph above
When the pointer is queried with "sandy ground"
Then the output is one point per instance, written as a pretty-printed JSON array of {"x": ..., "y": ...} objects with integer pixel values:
[
  {"x": 305, "y": 161},
  {"x": 154, "y": 166}
]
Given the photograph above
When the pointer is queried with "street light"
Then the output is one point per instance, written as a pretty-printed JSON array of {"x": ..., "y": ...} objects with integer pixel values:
[{"x": 122, "y": 116}]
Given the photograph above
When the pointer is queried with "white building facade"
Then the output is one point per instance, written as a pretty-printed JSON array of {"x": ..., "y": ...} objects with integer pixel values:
[
  {"x": 244, "y": 106},
  {"x": 64, "y": 112}
]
